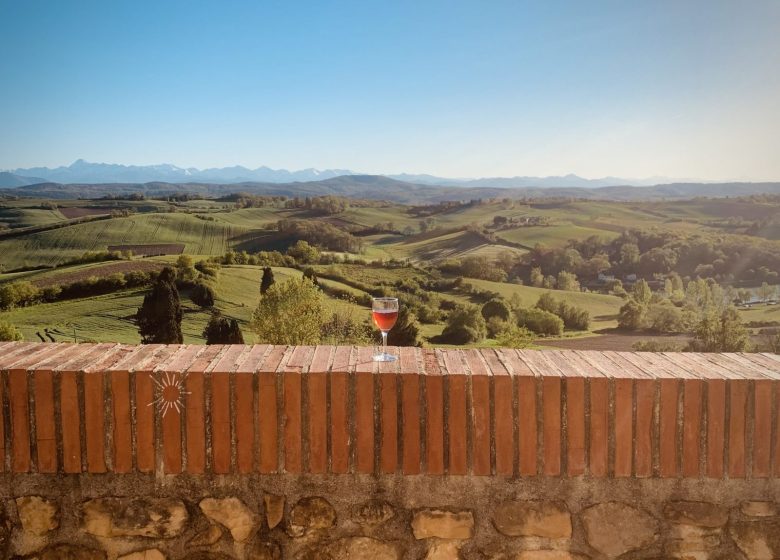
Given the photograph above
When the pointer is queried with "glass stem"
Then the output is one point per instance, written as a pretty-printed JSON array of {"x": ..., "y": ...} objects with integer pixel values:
[{"x": 384, "y": 343}]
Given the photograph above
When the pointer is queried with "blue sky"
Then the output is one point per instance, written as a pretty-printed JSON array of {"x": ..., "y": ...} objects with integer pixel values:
[{"x": 453, "y": 87}]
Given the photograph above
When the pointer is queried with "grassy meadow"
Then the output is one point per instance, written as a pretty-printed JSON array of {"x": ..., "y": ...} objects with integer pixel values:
[{"x": 419, "y": 237}]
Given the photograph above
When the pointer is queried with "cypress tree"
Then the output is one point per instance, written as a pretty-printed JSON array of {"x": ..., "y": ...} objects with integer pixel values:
[
  {"x": 159, "y": 317},
  {"x": 221, "y": 330},
  {"x": 268, "y": 279},
  {"x": 406, "y": 331}
]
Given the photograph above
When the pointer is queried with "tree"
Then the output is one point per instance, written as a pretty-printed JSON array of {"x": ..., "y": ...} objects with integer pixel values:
[
  {"x": 221, "y": 330},
  {"x": 632, "y": 315},
  {"x": 290, "y": 312},
  {"x": 641, "y": 292},
  {"x": 722, "y": 332},
  {"x": 766, "y": 292},
  {"x": 311, "y": 274},
  {"x": 515, "y": 337},
  {"x": 496, "y": 308},
  {"x": 465, "y": 325},
  {"x": 8, "y": 332},
  {"x": 268, "y": 279},
  {"x": 303, "y": 252},
  {"x": 159, "y": 317},
  {"x": 406, "y": 331},
  {"x": 185, "y": 269},
  {"x": 537, "y": 278},
  {"x": 568, "y": 281}
]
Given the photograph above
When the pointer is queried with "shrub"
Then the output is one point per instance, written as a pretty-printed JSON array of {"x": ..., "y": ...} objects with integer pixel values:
[
  {"x": 18, "y": 294},
  {"x": 538, "y": 321},
  {"x": 8, "y": 332},
  {"x": 289, "y": 312},
  {"x": 496, "y": 308},
  {"x": 631, "y": 315},
  {"x": 465, "y": 325},
  {"x": 406, "y": 331},
  {"x": 203, "y": 295},
  {"x": 575, "y": 318},
  {"x": 513, "y": 336}
]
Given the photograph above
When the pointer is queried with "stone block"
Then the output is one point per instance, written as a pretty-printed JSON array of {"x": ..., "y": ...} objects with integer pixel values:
[
  {"x": 311, "y": 514},
  {"x": 150, "y": 554},
  {"x": 208, "y": 536},
  {"x": 758, "y": 539},
  {"x": 37, "y": 515},
  {"x": 68, "y": 552},
  {"x": 613, "y": 528},
  {"x": 759, "y": 509},
  {"x": 443, "y": 550},
  {"x": 351, "y": 548},
  {"x": 274, "y": 509},
  {"x": 548, "y": 555},
  {"x": 144, "y": 517},
  {"x": 233, "y": 514},
  {"x": 374, "y": 513},
  {"x": 700, "y": 514},
  {"x": 428, "y": 523},
  {"x": 264, "y": 550},
  {"x": 533, "y": 519}
]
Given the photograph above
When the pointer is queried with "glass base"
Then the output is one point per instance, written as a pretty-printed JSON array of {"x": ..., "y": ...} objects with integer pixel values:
[{"x": 384, "y": 357}]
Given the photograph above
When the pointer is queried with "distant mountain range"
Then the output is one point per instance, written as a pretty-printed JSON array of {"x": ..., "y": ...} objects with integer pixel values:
[
  {"x": 379, "y": 187},
  {"x": 84, "y": 172}
]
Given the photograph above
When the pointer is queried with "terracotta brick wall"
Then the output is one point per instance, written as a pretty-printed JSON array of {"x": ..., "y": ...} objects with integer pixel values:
[{"x": 275, "y": 409}]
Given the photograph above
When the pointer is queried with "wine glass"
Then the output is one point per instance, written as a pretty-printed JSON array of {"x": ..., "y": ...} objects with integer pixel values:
[{"x": 384, "y": 310}]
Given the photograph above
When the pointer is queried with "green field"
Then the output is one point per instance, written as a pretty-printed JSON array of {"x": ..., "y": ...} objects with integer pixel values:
[
  {"x": 200, "y": 237},
  {"x": 430, "y": 236},
  {"x": 109, "y": 317}
]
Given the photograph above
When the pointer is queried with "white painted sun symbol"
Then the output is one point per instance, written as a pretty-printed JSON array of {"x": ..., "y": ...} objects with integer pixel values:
[{"x": 171, "y": 386}]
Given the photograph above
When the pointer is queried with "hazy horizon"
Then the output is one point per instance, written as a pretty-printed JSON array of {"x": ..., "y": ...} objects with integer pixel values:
[{"x": 452, "y": 89}]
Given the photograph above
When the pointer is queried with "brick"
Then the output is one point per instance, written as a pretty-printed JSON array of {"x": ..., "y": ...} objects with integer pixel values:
[
  {"x": 364, "y": 411},
  {"x": 737, "y": 425},
  {"x": 716, "y": 427},
  {"x": 503, "y": 396},
  {"x": 480, "y": 417},
  {"x": 575, "y": 425},
  {"x": 526, "y": 420},
  {"x": 220, "y": 421},
  {"x": 643, "y": 441},
  {"x": 623, "y": 426},
  {"x": 194, "y": 408},
  {"x": 94, "y": 422},
  {"x": 268, "y": 410},
  {"x": 599, "y": 427},
  {"x": 195, "y": 423},
  {"x": 170, "y": 379},
  {"x": 339, "y": 409},
  {"x": 457, "y": 424},
  {"x": 122, "y": 438},
  {"x": 45, "y": 434},
  {"x": 434, "y": 415},
  {"x": 20, "y": 420},
  {"x": 318, "y": 421},
  {"x": 70, "y": 422},
  {"x": 668, "y": 427},
  {"x": 292, "y": 422},
  {"x": 551, "y": 399},
  {"x": 245, "y": 421},
  {"x": 410, "y": 410},
  {"x": 144, "y": 421},
  {"x": 388, "y": 457},
  {"x": 776, "y": 446},
  {"x": 762, "y": 429},
  {"x": 692, "y": 421}
]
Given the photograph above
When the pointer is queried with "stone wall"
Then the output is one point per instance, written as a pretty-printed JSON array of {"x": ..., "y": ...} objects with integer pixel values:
[{"x": 262, "y": 452}]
